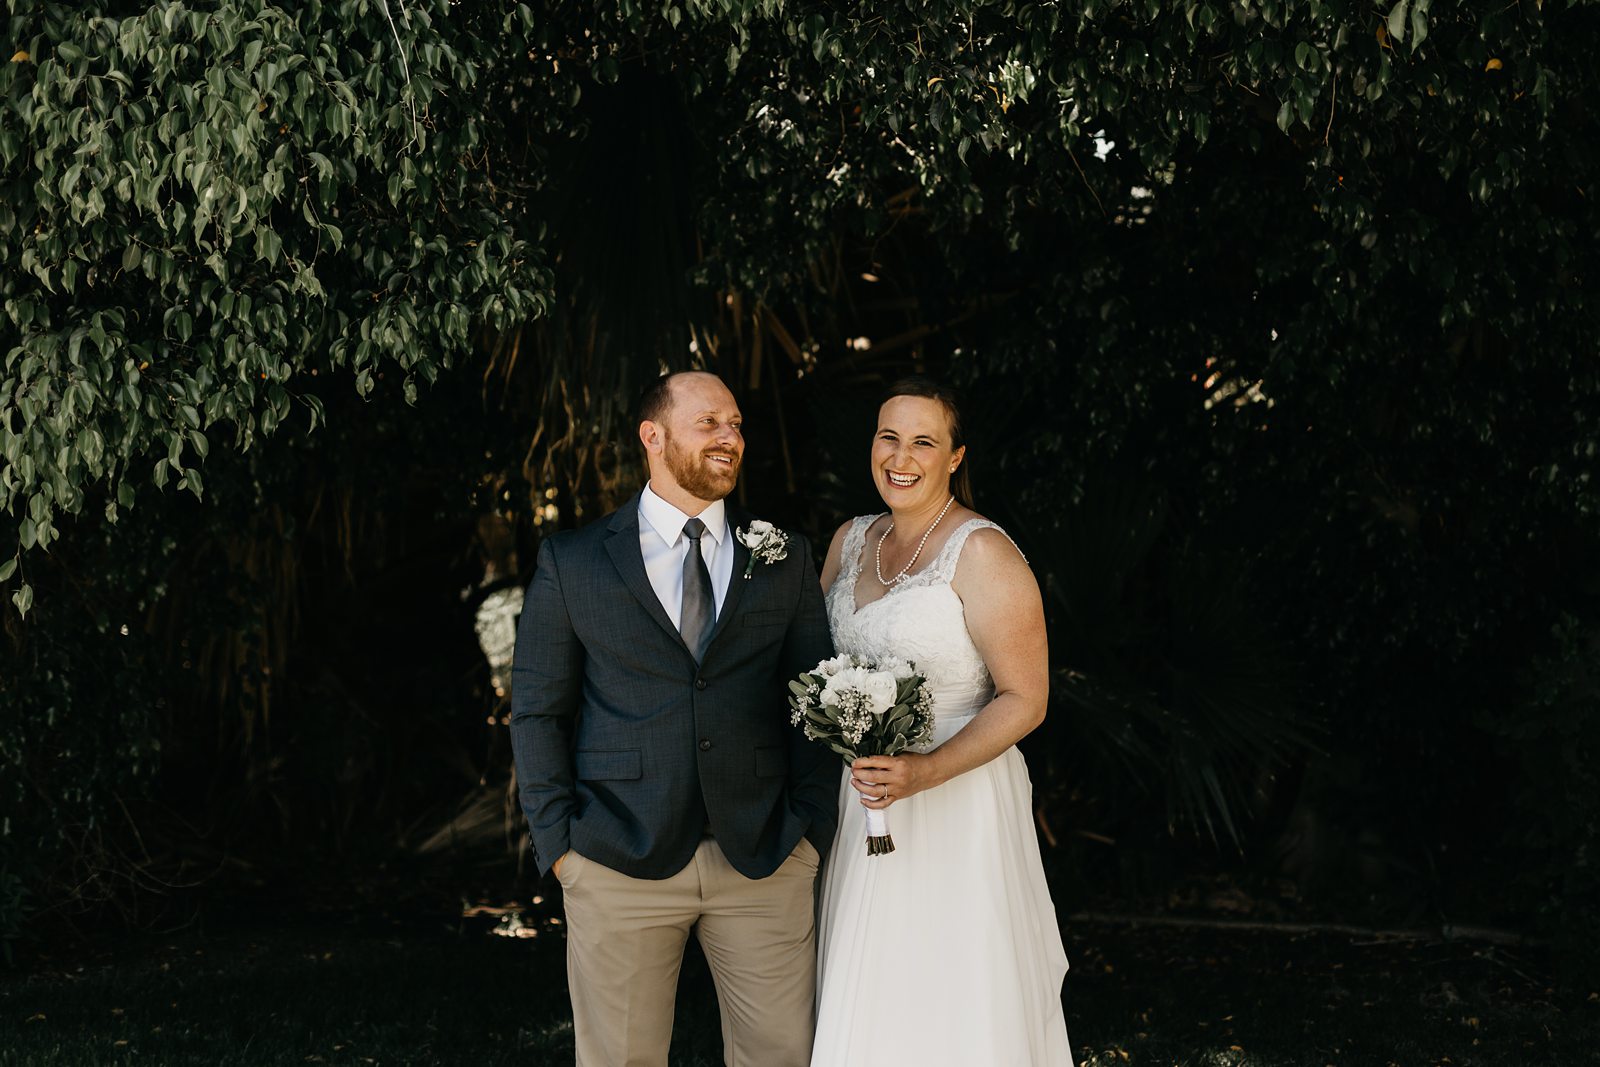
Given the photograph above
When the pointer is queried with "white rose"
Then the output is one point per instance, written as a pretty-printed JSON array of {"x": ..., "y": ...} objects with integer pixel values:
[
  {"x": 879, "y": 687},
  {"x": 758, "y": 531}
]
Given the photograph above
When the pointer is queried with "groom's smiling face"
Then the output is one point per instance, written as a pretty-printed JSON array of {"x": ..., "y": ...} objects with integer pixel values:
[{"x": 701, "y": 439}]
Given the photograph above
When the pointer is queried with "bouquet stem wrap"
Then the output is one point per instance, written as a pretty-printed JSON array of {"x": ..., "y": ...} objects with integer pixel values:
[{"x": 878, "y": 840}]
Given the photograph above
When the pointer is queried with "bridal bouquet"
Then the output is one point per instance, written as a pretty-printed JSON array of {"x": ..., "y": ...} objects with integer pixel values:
[{"x": 863, "y": 707}]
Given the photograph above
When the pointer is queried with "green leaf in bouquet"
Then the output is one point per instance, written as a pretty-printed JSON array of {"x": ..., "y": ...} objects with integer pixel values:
[
  {"x": 799, "y": 686},
  {"x": 829, "y": 737}
]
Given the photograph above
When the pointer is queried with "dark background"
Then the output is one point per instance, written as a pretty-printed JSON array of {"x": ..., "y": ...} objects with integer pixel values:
[{"x": 1294, "y": 416}]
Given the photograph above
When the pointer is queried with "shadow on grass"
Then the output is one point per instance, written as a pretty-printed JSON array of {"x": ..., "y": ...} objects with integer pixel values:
[
  {"x": 1190, "y": 998},
  {"x": 451, "y": 994}
]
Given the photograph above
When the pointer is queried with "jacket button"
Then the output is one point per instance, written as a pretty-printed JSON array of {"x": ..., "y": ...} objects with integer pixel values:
[
  {"x": 699, "y": 683},
  {"x": 705, "y": 744}
]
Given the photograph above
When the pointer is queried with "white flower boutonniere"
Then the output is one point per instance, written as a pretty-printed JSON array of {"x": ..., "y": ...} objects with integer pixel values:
[{"x": 765, "y": 541}]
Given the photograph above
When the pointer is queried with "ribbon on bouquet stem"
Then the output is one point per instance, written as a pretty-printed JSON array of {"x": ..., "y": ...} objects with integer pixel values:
[{"x": 878, "y": 840}]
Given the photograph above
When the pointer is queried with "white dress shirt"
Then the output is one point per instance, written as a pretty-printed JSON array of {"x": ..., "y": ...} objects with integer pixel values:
[{"x": 663, "y": 545}]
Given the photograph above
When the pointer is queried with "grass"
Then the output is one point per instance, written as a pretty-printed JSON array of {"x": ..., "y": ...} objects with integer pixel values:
[{"x": 366, "y": 992}]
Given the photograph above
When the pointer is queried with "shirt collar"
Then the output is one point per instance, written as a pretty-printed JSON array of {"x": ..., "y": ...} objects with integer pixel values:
[{"x": 667, "y": 520}]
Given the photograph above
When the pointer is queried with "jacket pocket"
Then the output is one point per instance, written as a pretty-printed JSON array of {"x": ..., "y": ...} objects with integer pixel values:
[
  {"x": 772, "y": 761},
  {"x": 608, "y": 766},
  {"x": 569, "y": 869}
]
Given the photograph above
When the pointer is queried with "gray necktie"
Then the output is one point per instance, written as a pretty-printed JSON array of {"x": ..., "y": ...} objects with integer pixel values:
[{"x": 699, "y": 603}]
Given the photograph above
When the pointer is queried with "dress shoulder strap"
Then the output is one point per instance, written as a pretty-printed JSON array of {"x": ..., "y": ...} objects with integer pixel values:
[
  {"x": 855, "y": 540},
  {"x": 950, "y": 554}
]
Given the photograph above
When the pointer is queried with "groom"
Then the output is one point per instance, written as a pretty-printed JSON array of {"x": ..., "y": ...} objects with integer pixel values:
[{"x": 660, "y": 776}]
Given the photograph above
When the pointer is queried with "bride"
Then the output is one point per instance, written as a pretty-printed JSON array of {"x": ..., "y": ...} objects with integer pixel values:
[{"x": 945, "y": 951}]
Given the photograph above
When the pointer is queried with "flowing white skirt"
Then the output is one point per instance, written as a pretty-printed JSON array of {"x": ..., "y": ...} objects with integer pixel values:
[{"x": 945, "y": 951}]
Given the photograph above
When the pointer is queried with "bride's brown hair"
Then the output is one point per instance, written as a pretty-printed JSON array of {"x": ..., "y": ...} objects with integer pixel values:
[{"x": 928, "y": 389}]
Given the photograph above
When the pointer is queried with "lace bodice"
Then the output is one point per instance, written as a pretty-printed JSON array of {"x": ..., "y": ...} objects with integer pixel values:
[{"x": 920, "y": 619}]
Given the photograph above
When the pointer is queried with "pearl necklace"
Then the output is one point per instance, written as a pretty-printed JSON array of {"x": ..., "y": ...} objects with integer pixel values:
[{"x": 912, "y": 562}]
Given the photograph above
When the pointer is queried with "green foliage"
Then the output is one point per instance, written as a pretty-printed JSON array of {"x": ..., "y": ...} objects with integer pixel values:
[
  {"x": 203, "y": 674},
  {"x": 13, "y": 905},
  {"x": 1170, "y": 671},
  {"x": 1315, "y": 275},
  {"x": 1551, "y": 744},
  {"x": 201, "y": 209},
  {"x": 1317, "y": 271}
]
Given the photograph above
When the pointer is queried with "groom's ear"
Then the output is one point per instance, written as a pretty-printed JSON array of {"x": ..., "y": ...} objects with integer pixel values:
[{"x": 651, "y": 436}]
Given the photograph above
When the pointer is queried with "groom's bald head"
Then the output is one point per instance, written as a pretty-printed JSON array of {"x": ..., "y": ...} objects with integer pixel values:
[{"x": 657, "y": 399}]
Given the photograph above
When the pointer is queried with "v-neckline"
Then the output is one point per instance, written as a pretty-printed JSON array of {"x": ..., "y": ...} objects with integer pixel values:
[{"x": 856, "y": 607}]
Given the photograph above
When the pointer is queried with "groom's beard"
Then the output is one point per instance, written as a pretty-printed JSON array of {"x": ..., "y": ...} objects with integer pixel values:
[{"x": 699, "y": 476}]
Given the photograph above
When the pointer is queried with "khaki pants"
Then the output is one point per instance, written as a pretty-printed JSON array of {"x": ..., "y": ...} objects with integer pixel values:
[{"x": 625, "y": 941}]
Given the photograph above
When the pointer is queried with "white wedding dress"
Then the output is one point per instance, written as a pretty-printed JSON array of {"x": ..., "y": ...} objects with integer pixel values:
[{"x": 945, "y": 951}]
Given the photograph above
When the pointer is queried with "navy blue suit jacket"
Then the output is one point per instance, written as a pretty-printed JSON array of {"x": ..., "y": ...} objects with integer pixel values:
[{"x": 619, "y": 734}]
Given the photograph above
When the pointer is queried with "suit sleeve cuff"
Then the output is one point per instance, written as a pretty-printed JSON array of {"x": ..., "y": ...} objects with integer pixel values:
[{"x": 547, "y": 849}]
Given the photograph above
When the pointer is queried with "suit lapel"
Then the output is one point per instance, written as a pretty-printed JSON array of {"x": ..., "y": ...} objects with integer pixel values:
[
  {"x": 623, "y": 547},
  {"x": 737, "y": 582}
]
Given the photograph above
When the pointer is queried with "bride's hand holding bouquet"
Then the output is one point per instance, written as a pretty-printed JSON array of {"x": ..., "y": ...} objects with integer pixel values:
[{"x": 882, "y": 780}]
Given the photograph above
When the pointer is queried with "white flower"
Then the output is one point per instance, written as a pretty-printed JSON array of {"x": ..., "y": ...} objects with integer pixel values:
[
  {"x": 900, "y": 668},
  {"x": 765, "y": 541},
  {"x": 830, "y": 667},
  {"x": 759, "y": 530},
  {"x": 857, "y": 687},
  {"x": 880, "y": 690},
  {"x": 840, "y": 683}
]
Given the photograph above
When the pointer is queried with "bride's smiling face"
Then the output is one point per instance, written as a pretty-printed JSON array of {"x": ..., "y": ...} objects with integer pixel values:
[{"x": 911, "y": 455}]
